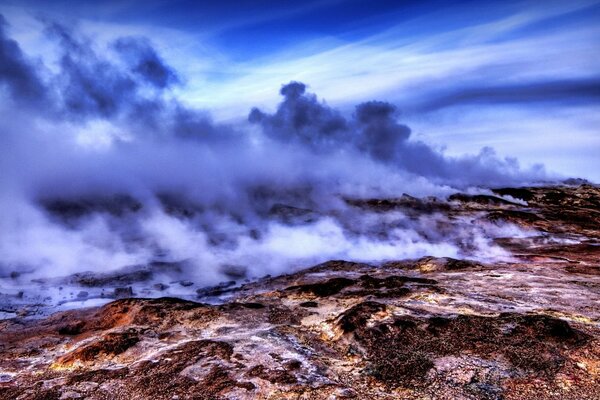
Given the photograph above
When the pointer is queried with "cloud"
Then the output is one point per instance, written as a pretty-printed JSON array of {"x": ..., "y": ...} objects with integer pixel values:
[
  {"x": 17, "y": 73},
  {"x": 373, "y": 130},
  {"x": 300, "y": 117},
  {"x": 93, "y": 86},
  {"x": 380, "y": 133},
  {"x": 146, "y": 63},
  {"x": 403, "y": 68},
  {"x": 90, "y": 85},
  {"x": 566, "y": 91}
]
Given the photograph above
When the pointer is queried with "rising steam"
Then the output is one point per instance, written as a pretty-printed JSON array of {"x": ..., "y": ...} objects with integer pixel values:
[{"x": 104, "y": 169}]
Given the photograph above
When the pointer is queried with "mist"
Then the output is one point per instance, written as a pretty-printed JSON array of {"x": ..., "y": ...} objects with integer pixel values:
[{"x": 103, "y": 168}]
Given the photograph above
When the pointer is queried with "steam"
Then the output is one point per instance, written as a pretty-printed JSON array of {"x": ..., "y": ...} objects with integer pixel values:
[{"x": 103, "y": 168}]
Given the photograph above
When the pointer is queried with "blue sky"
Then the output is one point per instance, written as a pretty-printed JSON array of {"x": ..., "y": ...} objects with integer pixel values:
[{"x": 520, "y": 76}]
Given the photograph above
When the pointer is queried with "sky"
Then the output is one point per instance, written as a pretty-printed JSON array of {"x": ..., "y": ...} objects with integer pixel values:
[{"x": 522, "y": 77}]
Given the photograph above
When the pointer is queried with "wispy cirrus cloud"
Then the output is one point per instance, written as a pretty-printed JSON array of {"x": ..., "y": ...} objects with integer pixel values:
[{"x": 402, "y": 68}]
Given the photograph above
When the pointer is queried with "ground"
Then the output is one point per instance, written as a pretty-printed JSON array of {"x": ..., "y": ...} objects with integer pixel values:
[{"x": 432, "y": 328}]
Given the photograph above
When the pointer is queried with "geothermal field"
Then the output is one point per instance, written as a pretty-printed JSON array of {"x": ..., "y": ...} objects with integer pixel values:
[
  {"x": 312, "y": 200},
  {"x": 521, "y": 324}
]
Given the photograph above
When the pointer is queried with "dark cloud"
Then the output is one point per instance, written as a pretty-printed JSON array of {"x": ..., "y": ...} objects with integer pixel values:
[
  {"x": 301, "y": 117},
  {"x": 567, "y": 91},
  {"x": 145, "y": 62},
  {"x": 89, "y": 85},
  {"x": 380, "y": 133},
  {"x": 373, "y": 130},
  {"x": 92, "y": 85},
  {"x": 18, "y": 74}
]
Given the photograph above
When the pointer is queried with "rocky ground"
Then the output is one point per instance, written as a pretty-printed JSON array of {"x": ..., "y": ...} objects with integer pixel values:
[{"x": 432, "y": 328}]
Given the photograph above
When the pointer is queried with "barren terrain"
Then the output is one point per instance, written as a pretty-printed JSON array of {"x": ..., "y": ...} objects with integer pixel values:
[{"x": 527, "y": 327}]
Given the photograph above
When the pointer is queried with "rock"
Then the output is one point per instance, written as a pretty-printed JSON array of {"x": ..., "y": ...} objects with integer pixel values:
[
  {"x": 212, "y": 291},
  {"x": 324, "y": 289},
  {"x": 70, "y": 394}
]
